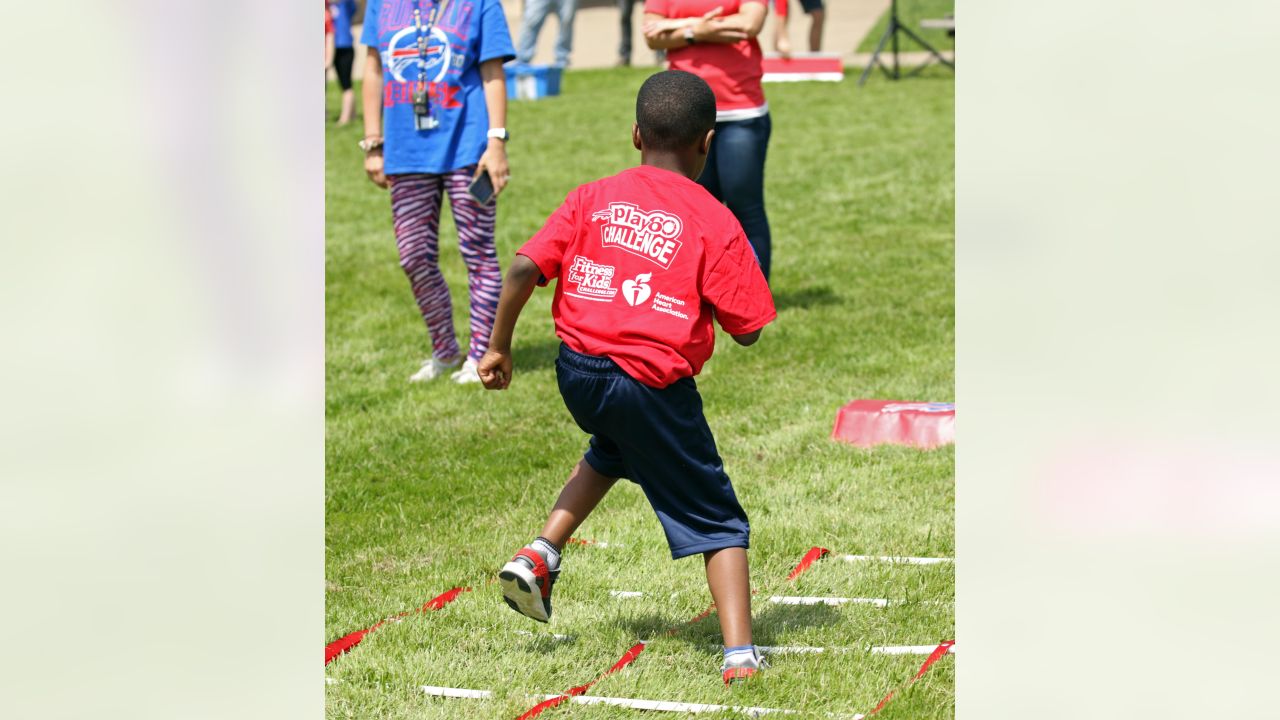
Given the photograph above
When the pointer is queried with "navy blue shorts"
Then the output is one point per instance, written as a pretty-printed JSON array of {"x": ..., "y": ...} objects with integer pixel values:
[
  {"x": 658, "y": 439},
  {"x": 810, "y": 5}
]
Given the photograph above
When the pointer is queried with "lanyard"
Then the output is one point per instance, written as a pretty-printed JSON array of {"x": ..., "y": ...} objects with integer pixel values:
[{"x": 424, "y": 35}]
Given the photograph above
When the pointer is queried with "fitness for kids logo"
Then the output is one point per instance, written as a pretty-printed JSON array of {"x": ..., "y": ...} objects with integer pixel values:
[
  {"x": 594, "y": 281},
  {"x": 651, "y": 235}
]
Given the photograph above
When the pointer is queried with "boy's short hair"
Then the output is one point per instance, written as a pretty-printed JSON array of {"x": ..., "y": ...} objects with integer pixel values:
[{"x": 674, "y": 110}]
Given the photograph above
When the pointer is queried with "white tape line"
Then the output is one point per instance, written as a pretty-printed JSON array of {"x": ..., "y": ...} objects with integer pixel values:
[
  {"x": 691, "y": 708},
  {"x": 793, "y": 649},
  {"x": 899, "y": 560},
  {"x": 806, "y": 600},
  {"x": 878, "y": 602},
  {"x": 635, "y": 703},
  {"x": 801, "y": 600},
  {"x": 909, "y": 649},
  {"x": 626, "y": 594},
  {"x": 457, "y": 692},
  {"x": 878, "y": 650},
  {"x": 554, "y": 636},
  {"x": 667, "y": 706}
]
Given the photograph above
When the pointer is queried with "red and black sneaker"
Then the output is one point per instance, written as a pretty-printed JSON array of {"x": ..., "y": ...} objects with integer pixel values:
[
  {"x": 733, "y": 674},
  {"x": 526, "y": 584},
  {"x": 742, "y": 667}
]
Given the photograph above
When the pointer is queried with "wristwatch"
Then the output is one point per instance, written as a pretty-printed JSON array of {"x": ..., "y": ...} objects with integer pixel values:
[
  {"x": 499, "y": 134},
  {"x": 688, "y": 36},
  {"x": 370, "y": 144}
]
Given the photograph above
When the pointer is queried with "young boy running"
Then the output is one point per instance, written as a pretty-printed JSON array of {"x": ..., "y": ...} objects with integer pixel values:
[{"x": 645, "y": 259}]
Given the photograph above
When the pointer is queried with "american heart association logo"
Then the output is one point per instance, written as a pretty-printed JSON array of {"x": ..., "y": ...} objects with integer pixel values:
[{"x": 637, "y": 290}]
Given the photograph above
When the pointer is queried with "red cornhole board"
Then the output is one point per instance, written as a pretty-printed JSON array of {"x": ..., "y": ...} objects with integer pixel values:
[
  {"x": 866, "y": 423},
  {"x": 803, "y": 66}
]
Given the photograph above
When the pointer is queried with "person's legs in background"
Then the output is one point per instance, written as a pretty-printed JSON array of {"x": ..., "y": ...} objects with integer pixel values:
[
  {"x": 817, "y": 18},
  {"x": 738, "y": 154},
  {"x": 415, "y": 211},
  {"x": 710, "y": 177},
  {"x": 475, "y": 224},
  {"x": 564, "y": 43},
  {"x": 624, "y": 43},
  {"x": 348, "y": 107},
  {"x": 342, "y": 62},
  {"x": 535, "y": 13}
]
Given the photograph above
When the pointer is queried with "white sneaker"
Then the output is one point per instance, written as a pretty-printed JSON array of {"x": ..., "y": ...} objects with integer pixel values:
[
  {"x": 432, "y": 369},
  {"x": 467, "y": 374}
]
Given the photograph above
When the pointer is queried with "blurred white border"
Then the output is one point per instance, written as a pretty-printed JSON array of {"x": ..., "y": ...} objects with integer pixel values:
[
  {"x": 1118, "y": 508},
  {"x": 162, "y": 370}
]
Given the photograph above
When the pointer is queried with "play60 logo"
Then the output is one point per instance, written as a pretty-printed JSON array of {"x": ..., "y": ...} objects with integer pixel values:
[{"x": 636, "y": 290}]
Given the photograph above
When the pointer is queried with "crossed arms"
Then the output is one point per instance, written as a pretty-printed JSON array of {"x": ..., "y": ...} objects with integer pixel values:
[{"x": 663, "y": 33}]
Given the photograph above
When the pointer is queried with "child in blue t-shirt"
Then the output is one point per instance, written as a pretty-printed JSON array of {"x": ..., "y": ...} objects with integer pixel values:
[
  {"x": 342, "y": 13},
  {"x": 435, "y": 106}
]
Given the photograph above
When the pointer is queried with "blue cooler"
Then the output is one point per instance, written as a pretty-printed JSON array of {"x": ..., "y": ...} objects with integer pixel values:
[{"x": 530, "y": 82}]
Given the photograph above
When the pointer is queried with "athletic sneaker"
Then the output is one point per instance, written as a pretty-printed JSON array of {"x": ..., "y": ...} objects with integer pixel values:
[
  {"x": 433, "y": 368},
  {"x": 526, "y": 584},
  {"x": 740, "y": 666},
  {"x": 468, "y": 373}
]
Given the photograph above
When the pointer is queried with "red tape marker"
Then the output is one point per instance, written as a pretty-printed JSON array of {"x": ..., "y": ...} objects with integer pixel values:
[
  {"x": 345, "y": 643},
  {"x": 623, "y": 661},
  {"x": 350, "y": 640},
  {"x": 442, "y": 599},
  {"x": 938, "y": 652},
  {"x": 943, "y": 648},
  {"x": 815, "y": 554}
]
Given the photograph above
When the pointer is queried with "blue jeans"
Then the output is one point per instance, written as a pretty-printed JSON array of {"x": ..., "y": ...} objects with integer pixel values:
[
  {"x": 625, "y": 8},
  {"x": 735, "y": 176},
  {"x": 535, "y": 13}
]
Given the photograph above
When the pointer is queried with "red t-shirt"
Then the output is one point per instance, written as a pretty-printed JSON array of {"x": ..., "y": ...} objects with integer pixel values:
[
  {"x": 644, "y": 259},
  {"x": 733, "y": 70}
]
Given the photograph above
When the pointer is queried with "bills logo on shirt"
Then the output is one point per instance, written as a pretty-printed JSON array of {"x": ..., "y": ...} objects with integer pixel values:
[
  {"x": 651, "y": 235},
  {"x": 401, "y": 56}
]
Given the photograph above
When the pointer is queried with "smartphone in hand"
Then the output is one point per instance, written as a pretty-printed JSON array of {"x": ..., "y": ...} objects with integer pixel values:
[{"x": 482, "y": 189}]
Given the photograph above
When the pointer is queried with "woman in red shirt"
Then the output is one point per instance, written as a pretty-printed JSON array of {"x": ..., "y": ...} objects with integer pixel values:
[{"x": 716, "y": 40}]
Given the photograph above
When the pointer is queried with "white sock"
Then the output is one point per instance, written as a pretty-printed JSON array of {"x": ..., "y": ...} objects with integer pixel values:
[
  {"x": 548, "y": 552},
  {"x": 741, "y": 656}
]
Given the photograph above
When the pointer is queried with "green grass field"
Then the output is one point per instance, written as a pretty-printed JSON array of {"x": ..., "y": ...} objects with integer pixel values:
[
  {"x": 432, "y": 486},
  {"x": 910, "y": 13}
]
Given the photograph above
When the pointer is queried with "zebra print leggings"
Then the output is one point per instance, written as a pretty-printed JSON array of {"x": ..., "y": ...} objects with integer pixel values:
[{"x": 415, "y": 210}]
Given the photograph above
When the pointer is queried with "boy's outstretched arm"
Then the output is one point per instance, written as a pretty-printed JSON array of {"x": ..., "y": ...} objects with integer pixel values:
[
  {"x": 495, "y": 367},
  {"x": 748, "y": 338}
]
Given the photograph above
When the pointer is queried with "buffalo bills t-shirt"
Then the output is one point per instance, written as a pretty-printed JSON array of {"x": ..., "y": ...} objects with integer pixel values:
[
  {"x": 466, "y": 33},
  {"x": 342, "y": 13},
  {"x": 645, "y": 259}
]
